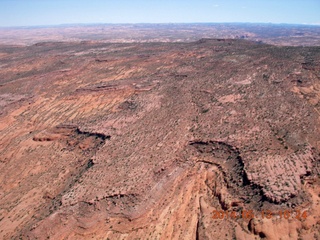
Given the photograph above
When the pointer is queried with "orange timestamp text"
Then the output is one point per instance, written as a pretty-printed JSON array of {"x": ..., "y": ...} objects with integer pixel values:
[{"x": 249, "y": 214}]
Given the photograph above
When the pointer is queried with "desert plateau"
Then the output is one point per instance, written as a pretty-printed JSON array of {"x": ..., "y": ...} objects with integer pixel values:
[{"x": 160, "y": 132}]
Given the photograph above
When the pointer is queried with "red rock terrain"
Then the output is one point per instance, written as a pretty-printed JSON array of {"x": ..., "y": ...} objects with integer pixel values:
[{"x": 146, "y": 141}]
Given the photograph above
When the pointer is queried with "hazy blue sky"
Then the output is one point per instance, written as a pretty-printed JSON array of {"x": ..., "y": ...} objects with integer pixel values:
[{"x": 51, "y": 12}]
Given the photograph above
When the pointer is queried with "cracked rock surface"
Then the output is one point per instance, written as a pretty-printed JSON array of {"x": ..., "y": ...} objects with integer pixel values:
[{"x": 145, "y": 141}]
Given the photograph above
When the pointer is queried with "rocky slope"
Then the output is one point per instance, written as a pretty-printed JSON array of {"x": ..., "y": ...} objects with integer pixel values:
[{"x": 147, "y": 141}]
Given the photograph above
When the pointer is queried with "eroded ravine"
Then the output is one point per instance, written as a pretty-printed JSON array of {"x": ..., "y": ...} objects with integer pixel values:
[{"x": 195, "y": 127}]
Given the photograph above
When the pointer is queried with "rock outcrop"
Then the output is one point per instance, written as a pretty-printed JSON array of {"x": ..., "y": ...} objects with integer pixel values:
[{"x": 148, "y": 141}]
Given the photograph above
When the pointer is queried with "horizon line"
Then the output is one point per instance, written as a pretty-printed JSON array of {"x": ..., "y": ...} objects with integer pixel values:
[{"x": 156, "y": 23}]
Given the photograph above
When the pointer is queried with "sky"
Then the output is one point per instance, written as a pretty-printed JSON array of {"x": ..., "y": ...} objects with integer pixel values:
[{"x": 56, "y": 12}]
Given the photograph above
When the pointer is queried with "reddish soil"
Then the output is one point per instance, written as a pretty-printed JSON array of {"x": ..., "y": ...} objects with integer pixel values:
[{"x": 145, "y": 141}]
